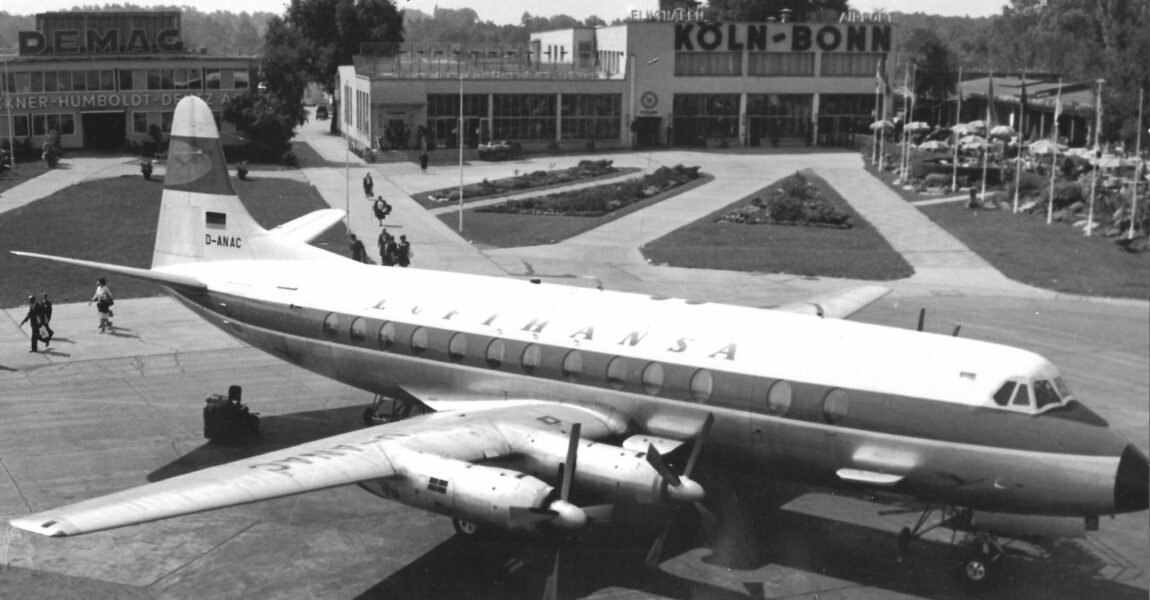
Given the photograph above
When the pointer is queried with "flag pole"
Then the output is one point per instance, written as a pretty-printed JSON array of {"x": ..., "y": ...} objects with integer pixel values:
[
  {"x": 877, "y": 113},
  {"x": 1054, "y": 153},
  {"x": 986, "y": 147},
  {"x": 902, "y": 157},
  {"x": 1137, "y": 169},
  {"x": 957, "y": 118},
  {"x": 1021, "y": 129},
  {"x": 1097, "y": 156}
]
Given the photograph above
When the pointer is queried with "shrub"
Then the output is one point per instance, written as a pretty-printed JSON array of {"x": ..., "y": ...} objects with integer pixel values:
[
  {"x": 1067, "y": 193},
  {"x": 937, "y": 180}
]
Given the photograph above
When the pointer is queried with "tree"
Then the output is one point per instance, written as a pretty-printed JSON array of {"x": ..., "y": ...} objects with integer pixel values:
[
  {"x": 935, "y": 65},
  {"x": 268, "y": 125},
  {"x": 762, "y": 10},
  {"x": 336, "y": 28}
]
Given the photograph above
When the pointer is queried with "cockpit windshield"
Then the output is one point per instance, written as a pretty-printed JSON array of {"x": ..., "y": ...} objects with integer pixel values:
[{"x": 1032, "y": 396}]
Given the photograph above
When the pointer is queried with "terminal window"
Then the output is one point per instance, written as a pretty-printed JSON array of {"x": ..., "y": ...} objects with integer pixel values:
[{"x": 703, "y": 64}]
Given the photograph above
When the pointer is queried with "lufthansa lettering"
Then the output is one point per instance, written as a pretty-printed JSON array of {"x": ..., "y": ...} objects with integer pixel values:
[{"x": 792, "y": 37}]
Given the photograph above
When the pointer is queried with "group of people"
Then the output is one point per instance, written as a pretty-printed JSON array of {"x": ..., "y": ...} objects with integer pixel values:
[
  {"x": 40, "y": 314},
  {"x": 392, "y": 252}
]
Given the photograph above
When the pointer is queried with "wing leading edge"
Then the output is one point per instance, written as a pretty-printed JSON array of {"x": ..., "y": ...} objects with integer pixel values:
[{"x": 355, "y": 457}]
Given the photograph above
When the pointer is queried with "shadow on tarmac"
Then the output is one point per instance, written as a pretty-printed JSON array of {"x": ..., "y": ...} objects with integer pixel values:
[{"x": 791, "y": 553}]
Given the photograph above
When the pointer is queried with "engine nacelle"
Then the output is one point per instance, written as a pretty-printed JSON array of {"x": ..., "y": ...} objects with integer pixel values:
[
  {"x": 477, "y": 493},
  {"x": 609, "y": 472}
]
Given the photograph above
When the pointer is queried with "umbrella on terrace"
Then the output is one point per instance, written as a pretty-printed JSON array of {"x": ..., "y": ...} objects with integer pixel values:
[
  {"x": 972, "y": 142},
  {"x": 883, "y": 124},
  {"x": 961, "y": 129},
  {"x": 1043, "y": 147},
  {"x": 978, "y": 125},
  {"x": 1002, "y": 131},
  {"x": 914, "y": 126},
  {"x": 934, "y": 146}
]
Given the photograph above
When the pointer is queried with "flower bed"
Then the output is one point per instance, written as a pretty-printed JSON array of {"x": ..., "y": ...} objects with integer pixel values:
[
  {"x": 795, "y": 201},
  {"x": 600, "y": 200},
  {"x": 586, "y": 169}
]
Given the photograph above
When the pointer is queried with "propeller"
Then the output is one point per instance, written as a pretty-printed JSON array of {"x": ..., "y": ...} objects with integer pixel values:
[
  {"x": 922, "y": 321},
  {"x": 680, "y": 488},
  {"x": 567, "y": 515}
]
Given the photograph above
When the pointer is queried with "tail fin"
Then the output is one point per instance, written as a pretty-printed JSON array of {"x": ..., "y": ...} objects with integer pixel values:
[{"x": 201, "y": 218}]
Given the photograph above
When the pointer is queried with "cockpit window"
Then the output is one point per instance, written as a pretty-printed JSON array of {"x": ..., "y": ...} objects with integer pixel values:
[
  {"x": 1063, "y": 390},
  {"x": 1002, "y": 396},
  {"x": 1022, "y": 396},
  {"x": 1044, "y": 393}
]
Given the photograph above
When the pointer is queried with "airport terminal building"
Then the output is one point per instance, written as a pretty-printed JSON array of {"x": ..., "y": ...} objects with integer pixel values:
[
  {"x": 635, "y": 84},
  {"x": 102, "y": 79}
]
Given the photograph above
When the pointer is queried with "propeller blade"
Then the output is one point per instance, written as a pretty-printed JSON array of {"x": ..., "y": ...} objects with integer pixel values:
[
  {"x": 706, "y": 518},
  {"x": 600, "y": 513},
  {"x": 656, "y": 551},
  {"x": 656, "y": 460},
  {"x": 956, "y": 329},
  {"x": 569, "y": 469},
  {"x": 521, "y": 516},
  {"x": 551, "y": 589},
  {"x": 921, "y": 318},
  {"x": 704, "y": 431}
]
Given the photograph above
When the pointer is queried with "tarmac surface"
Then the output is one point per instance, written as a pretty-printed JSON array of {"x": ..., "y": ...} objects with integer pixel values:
[{"x": 99, "y": 413}]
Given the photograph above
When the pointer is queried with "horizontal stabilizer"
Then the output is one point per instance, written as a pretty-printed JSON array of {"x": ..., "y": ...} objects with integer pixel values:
[
  {"x": 839, "y": 305},
  {"x": 160, "y": 277},
  {"x": 869, "y": 477},
  {"x": 309, "y": 226}
]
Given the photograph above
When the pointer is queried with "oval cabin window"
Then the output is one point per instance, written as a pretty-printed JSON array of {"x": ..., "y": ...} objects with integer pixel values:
[
  {"x": 701, "y": 385},
  {"x": 387, "y": 335},
  {"x": 419, "y": 339},
  {"x": 457, "y": 347},
  {"x": 532, "y": 355},
  {"x": 496, "y": 350},
  {"x": 653, "y": 378},
  {"x": 358, "y": 330},
  {"x": 617, "y": 372},
  {"x": 331, "y": 325},
  {"x": 779, "y": 398},
  {"x": 835, "y": 406},
  {"x": 573, "y": 365}
]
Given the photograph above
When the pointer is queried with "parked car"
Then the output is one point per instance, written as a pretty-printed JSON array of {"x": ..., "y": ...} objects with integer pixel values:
[
  {"x": 321, "y": 113},
  {"x": 499, "y": 150}
]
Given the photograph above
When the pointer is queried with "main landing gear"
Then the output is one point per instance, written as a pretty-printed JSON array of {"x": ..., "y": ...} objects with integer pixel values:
[
  {"x": 386, "y": 409},
  {"x": 984, "y": 555}
]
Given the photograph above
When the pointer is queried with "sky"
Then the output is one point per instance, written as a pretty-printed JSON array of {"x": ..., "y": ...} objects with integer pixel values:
[{"x": 509, "y": 11}]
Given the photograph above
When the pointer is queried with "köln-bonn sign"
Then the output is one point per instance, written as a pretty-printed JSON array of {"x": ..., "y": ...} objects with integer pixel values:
[{"x": 781, "y": 37}]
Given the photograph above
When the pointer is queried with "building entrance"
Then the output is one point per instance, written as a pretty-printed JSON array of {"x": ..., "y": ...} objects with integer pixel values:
[
  {"x": 106, "y": 131},
  {"x": 647, "y": 131}
]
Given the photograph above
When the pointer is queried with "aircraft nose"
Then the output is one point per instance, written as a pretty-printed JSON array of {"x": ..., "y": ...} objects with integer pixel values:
[{"x": 1131, "y": 490}]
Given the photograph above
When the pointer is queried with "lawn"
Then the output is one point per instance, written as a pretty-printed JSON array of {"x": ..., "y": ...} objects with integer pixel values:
[
  {"x": 856, "y": 253},
  {"x": 1055, "y": 257},
  {"x": 500, "y": 230},
  {"x": 114, "y": 220},
  {"x": 24, "y": 172}
]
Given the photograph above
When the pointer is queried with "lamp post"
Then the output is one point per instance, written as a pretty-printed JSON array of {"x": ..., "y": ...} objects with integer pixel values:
[
  {"x": 1097, "y": 155},
  {"x": 459, "y": 135}
]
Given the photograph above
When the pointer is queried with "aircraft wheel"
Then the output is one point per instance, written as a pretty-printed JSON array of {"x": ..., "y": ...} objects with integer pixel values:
[
  {"x": 466, "y": 528},
  {"x": 369, "y": 416},
  {"x": 904, "y": 539},
  {"x": 979, "y": 567}
]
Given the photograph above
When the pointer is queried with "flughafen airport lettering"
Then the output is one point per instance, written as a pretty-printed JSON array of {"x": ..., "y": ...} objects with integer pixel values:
[
  {"x": 735, "y": 37},
  {"x": 110, "y": 100}
]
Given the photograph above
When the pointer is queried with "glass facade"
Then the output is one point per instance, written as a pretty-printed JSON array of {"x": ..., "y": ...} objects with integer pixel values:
[
  {"x": 592, "y": 116},
  {"x": 699, "y": 117},
  {"x": 524, "y": 116},
  {"x": 771, "y": 117}
]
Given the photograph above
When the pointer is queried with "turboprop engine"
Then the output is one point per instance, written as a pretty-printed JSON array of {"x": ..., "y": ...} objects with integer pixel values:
[{"x": 480, "y": 494}]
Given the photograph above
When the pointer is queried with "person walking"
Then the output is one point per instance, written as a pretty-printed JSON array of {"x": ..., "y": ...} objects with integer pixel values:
[
  {"x": 104, "y": 302},
  {"x": 386, "y": 249},
  {"x": 46, "y": 316},
  {"x": 403, "y": 252},
  {"x": 368, "y": 185},
  {"x": 358, "y": 252},
  {"x": 423, "y": 160},
  {"x": 35, "y": 318},
  {"x": 381, "y": 209}
]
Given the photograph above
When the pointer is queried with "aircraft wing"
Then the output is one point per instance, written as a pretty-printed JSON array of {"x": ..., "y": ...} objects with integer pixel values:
[
  {"x": 358, "y": 456},
  {"x": 839, "y": 305},
  {"x": 308, "y": 227}
]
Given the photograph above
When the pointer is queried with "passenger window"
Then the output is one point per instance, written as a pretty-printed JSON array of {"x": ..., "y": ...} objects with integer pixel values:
[
  {"x": 779, "y": 398},
  {"x": 573, "y": 365},
  {"x": 419, "y": 341},
  {"x": 1004, "y": 393},
  {"x": 617, "y": 372},
  {"x": 387, "y": 335},
  {"x": 358, "y": 330},
  {"x": 457, "y": 347},
  {"x": 1022, "y": 396},
  {"x": 495, "y": 353},
  {"x": 653, "y": 378},
  {"x": 835, "y": 406},
  {"x": 331, "y": 325},
  {"x": 531, "y": 357},
  {"x": 701, "y": 385},
  {"x": 1045, "y": 394}
]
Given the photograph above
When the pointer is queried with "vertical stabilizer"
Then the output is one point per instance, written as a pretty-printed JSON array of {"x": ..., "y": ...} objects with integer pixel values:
[{"x": 201, "y": 218}]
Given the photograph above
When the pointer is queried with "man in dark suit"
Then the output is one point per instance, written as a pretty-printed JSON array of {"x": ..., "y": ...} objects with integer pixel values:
[
  {"x": 46, "y": 313},
  {"x": 35, "y": 317}
]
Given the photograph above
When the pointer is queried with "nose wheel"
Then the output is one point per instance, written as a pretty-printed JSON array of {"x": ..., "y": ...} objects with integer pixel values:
[{"x": 983, "y": 561}]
